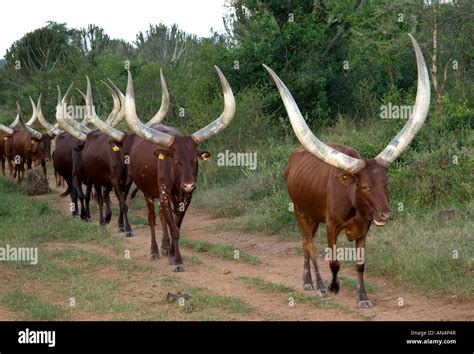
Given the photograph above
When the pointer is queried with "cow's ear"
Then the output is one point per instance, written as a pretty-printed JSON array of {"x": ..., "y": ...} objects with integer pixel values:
[
  {"x": 346, "y": 178},
  {"x": 116, "y": 146},
  {"x": 203, "y": 155},
  {"x": 162, "y": 153}
]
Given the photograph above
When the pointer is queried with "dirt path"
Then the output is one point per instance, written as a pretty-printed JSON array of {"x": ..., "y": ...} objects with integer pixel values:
[{"x": 280, "y": 264}]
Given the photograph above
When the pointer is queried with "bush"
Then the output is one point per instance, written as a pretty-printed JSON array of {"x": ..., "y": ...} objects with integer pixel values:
[{"x": 35, "y": 183}]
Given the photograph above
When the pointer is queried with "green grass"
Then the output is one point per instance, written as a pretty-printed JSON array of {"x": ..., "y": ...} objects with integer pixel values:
[
  {"x": 34, "y": 222},
  {"x": 137, "y": 219},
  {"x": 32, "y": 307},
  {"x": 352, "y": 284},
  {"x": 219, "y": 250},
  {"x": 202, "y": 301},
  {"x": 266, "y": 286}
]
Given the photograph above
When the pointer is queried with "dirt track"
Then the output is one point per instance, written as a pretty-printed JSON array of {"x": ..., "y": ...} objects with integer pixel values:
[{"x": 280, "y": 264}]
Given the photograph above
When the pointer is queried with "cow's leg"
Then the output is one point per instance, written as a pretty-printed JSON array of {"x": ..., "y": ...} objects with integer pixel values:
[
  {"x": 100, "y": 201},
  {"x": 165, "y": 241},
  {"x": 334, "y": 264},
  {"x": 43, "y": 166},
  {"x": 87, "y": 200},
  {"x": 174, "y": 256},
  {"x": 125, "y": 227},
  {"x": 74, "y": 206},
  {"x": 108, "y": 205},
  {"x": 182, "y": 207},
  {"x": 155, "y": 253},
  {"x": 10, "y": 167},
  {"x": 3, "y": 164},
  {"x": 77, "y": 184},
  {"x": 308, "y": 227},
  {"x": 363, "y": 301},
  {"x": 125, "y": 188}
]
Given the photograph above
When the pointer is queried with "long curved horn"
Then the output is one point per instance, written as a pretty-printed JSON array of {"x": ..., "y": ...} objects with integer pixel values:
[
  {"x": 94, "y": 119},
  {"x": 416, "y": 120},
  {"x": 6, "y": 129},
  {"x": 136, "y": 125},
  {"x": 46, "y": 125},
  {"x": 15, "y": 121},
  {"x": 165, "y": 102},
  {"x": 308, "y": 139},
  {"x": 63, "y": 118},
  {"x": 34, "y": 113},
  {"x": 118, "y": 112},
  {"x": 224, "y": 119},
  {"x": 31, "y": 131},
  {"x": 69, "y": 120}
]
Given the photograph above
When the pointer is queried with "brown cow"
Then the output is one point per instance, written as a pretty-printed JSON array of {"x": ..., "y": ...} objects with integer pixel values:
[
  {"x": 163, "y": 164},
  {"x": 29, "y": 146},
  {"x": 331, "y": 184},
  {"x": 5, "y": 134}
]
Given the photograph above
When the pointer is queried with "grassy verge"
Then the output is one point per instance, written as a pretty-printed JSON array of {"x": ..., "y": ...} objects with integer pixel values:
[{"x": 220, "y": 250}]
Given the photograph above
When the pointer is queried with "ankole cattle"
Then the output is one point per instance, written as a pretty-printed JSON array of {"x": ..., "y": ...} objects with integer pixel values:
[
  {"x": 5, "y": 134},
  {"x": 28, "y": 146},
  {"x": 164, "y": 165},
  {"x": 92, "y": 158},
  {"x": 332, "y": 184}
]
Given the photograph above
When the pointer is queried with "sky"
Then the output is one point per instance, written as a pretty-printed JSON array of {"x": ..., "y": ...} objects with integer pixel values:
[{"x": 121, "y": 19}]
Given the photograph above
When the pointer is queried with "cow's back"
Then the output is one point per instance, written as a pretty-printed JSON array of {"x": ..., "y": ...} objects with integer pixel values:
[{"x": 307, "y": 178}]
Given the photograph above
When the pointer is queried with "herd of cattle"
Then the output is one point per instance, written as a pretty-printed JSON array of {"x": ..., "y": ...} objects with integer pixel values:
[{"x": 326, "y": 183}]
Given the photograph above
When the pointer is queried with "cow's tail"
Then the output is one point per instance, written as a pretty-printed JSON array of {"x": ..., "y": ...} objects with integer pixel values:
[
  {"x": 67, "y": 191},
  {"x": 134, "y": 193}
]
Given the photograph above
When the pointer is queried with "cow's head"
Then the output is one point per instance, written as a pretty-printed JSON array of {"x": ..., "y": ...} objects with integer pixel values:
[
  {"x": 372, "y": 197},
  {"x": 185, "y": 154},
  {"x": 39, "y": 146},
  {"x": 40, "y": 149},
  {"x": 183, "y": 150},
  {"x": 369, "y": 176}
]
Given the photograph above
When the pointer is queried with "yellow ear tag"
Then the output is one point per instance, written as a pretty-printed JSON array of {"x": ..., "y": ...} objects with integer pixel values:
[
  {"x": 205, "y": 158},
  {"x": 161, "y": 156},
  {"x": 115, "y": 148},
  {"x": 33, "y": 142}
]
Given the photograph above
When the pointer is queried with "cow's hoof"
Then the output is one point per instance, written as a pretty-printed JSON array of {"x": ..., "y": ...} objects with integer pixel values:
[
  {"x": 178, "y": 268},
  {"x": 164, "y": 252},
  {"x": 121, "y": 229},
  {"x": 308, "y": 286},
  {"x": 334, "y": 287},
  {"x": 365, "y": 304},
  {"x": 129, "y": 233},
  {"x": 155, "y": 256},
  {"x": 323, "y": 292}
]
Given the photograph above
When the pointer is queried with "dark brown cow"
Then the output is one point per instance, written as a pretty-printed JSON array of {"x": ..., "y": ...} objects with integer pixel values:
[
  {"x": 30, "y": 146},
  {"x": 163, "y": 164},
  {"x": 5, "y": 134},
  {"x": 331, "y": 184},
  {"x": 63, "y": 166}
]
